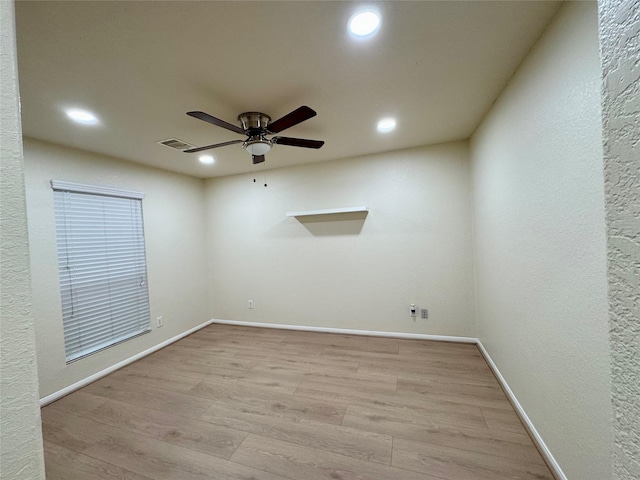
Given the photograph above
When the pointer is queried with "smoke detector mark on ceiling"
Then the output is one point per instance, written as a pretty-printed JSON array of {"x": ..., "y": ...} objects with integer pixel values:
[{"x": 175, "y": 143}]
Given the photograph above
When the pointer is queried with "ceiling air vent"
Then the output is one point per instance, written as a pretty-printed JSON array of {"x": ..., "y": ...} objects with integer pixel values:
[{"x": 175, "y": 143}]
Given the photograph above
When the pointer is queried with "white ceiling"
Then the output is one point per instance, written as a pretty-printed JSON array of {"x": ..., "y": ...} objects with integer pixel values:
[{"x": 435, "y": 66}]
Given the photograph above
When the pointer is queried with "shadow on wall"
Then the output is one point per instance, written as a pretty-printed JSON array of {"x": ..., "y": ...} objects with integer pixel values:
[{"x": 350, "y": 223}]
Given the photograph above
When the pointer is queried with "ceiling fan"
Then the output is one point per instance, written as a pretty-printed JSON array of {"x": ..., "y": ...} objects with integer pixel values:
[{"x": 256, "y": 126}]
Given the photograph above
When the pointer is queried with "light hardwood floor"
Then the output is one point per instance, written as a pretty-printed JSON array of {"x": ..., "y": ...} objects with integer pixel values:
[{"x": 246, "y": 403}]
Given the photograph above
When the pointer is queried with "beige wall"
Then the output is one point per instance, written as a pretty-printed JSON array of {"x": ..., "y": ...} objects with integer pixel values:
[
  {"x": 540, "y": 243},
  {"x": 620, "y": 50},
  {"x": 173, "y": 210},
  {"x": 20, "y": 434},
  {"x": 538, "y": 214},
  {"x": 347, "y": 272}
]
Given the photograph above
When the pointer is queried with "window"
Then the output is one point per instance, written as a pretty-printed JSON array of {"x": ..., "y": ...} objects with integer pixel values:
[{"x": 103, "y": 271}]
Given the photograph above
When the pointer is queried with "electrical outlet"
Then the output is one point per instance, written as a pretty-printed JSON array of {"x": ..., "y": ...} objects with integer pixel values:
[
  {"x": 424, "y": 313},
  {"x": 158, "y": 322},
  {"x": 250, "y": 304},
  {"x": 412, "y": 310}
]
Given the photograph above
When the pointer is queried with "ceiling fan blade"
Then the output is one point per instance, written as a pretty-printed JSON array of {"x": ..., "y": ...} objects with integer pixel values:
[
  {"x": 299, "y": 115},
  {"x": 216, "y": 121},
  {"x": 297, "y": 142},
  {"x": 258, "y": 159},
  {"x": 208, "y": 147}
]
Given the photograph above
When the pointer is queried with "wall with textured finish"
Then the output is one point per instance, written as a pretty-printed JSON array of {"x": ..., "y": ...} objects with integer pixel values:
[
  {"x": 620, "y": 53},
  {"x": 173, "y": 211},
  {"x": 540, "y": 243},
  {"x": 347, "y": 271},
  {"x": 21, "y": 455}
]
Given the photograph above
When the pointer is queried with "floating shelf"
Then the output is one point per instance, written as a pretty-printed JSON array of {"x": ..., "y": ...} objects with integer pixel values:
[{"x": 328, "y": 211}]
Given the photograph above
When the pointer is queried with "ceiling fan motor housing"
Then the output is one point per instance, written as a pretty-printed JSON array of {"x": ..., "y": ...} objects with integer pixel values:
[{"x": 255, "y": 122}]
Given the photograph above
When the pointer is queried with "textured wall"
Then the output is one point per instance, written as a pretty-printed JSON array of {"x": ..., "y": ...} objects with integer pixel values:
[
  {"x": 540, "y": 243},
  {"x": 347, "y": 271},
  {"x": 620, "y": 53},
  {"x": 173, "y": 211},
  {"x": 20, "y": 434}
]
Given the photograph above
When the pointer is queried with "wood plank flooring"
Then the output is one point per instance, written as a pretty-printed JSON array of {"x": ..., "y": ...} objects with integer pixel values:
[{"x": 236, "y": 403}]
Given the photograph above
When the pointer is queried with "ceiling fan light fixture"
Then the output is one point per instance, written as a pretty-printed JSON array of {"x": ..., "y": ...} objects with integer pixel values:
[{"x": 257, "y": 146}]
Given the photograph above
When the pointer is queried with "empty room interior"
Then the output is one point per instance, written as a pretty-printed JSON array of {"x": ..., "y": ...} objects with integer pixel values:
[{"x": 353, "y": 250}]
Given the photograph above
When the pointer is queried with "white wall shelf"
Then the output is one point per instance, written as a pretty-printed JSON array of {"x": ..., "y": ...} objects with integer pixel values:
[{"x": 328, "y": 211}]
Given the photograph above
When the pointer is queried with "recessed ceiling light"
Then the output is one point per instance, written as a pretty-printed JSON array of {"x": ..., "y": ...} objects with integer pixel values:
[
  {"x": 81, "y": 116},
  {"x": 386, "y": 125},
  {"x": 364, "y": 23},
  {"x": 206, "y": 159}
]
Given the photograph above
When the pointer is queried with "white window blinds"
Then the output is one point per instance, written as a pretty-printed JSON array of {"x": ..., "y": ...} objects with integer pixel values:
[{"x": 102, "y": 265}]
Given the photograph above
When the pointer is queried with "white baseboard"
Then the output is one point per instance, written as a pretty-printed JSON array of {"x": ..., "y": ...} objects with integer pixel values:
[
  {"x": 533, "y": 433},
  {"x": 96, "y": 376},
  {"x": 346, "y": 331}
]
